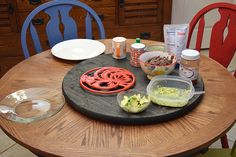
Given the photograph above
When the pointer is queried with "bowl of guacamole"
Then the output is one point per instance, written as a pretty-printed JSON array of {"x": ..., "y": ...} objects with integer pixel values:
[
  {"x": 133, "y": 101},
  {"x": 171, "y": 91}
]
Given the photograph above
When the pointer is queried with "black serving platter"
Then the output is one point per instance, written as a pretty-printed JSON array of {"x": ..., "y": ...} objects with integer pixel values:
[{"x": 106, "y": 108}]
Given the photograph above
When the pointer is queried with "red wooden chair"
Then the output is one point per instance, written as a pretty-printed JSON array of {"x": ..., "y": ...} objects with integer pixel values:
[{"x": 222, "y": 48}]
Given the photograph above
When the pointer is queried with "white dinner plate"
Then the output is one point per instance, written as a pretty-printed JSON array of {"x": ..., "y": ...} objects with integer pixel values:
[{"x": 78, "y": 49}]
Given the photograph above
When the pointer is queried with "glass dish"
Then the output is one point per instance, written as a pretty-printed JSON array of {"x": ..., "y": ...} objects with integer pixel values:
[
  {"x": 172, "y": 91},
  {"x": 154, "y": 69},
  {"x": 133, "y": 107},
  {"x": 154, "y": 48},
  {"x": 28, "y": 105}
]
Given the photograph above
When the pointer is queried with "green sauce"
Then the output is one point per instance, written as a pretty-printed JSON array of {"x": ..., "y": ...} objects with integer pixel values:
[{"x": 172, "y": 97}]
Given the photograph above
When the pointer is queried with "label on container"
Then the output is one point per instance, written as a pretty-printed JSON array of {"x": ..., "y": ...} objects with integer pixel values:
[
  {"x": 119, "y": 47},
  {"x": 187, "y": 72},
  {"x": 135, "y": 51}
]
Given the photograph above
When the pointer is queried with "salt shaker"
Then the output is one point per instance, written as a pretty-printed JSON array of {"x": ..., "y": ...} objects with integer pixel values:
[{"x": 189, "y": 64}]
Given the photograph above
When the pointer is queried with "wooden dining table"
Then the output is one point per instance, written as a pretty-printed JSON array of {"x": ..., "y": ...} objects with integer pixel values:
[{"x": 70, "y": 133}]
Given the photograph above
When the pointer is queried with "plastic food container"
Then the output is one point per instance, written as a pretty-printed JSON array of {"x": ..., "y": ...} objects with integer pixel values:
[
  {"x": 154, "y": 69},
  {"x": 133, "y": 104},
  {"x": 172, "y": 91},
  {"x": 154, "y": 48}
]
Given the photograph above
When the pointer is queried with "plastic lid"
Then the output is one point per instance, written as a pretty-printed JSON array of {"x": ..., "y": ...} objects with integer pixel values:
[
  {"x": 190, "y": 54},
  {"x": 119, "y": 39},
  {"x": 138, "y": 45},
  {"x": 137, "y": 40}
]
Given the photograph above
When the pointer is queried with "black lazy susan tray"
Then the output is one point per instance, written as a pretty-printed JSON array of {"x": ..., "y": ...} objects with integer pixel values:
[{"x": 106, "y": 108}]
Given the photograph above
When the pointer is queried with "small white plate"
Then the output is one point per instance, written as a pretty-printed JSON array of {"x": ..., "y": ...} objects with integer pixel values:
[{"x": 78, "y": 49}]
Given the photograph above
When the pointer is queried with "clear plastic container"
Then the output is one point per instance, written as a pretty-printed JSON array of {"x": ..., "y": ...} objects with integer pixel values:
[
  {"x": 172, "y": 91},
  {"x": 189, "y": 64}
]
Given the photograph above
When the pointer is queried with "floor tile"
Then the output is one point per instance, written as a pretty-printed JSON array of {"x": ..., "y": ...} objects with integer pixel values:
[
  {"x": 17, "y": 151},
  {"x": 205, "y": 52},
  {"x": 232, "y": 65},
  {"x": 232, "y": 133},
  {"x": 5, "y": 141},
  {"x": 217, "y": 144}
]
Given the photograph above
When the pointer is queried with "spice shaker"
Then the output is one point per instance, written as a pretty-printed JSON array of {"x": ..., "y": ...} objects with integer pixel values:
[
  {"x": 189, "y": 64},
  {"x": 136, "y": 50}
]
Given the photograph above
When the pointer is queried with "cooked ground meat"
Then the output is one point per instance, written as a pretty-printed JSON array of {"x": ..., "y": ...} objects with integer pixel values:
[{"x": 161, "y": 61}]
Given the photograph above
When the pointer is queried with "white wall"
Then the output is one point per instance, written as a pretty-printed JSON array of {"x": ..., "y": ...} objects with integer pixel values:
[{"x": 184, "y": 10}]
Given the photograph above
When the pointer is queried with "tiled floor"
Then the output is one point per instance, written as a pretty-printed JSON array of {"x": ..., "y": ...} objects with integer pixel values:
[{"x": 8, "y": 148}]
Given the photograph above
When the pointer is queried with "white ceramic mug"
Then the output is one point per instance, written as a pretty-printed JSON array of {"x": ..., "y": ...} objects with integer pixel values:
[{"x": 119, "y": 47}]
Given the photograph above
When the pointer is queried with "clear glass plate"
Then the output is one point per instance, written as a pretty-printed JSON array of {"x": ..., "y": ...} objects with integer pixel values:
[{"x": 28, "y": 105}]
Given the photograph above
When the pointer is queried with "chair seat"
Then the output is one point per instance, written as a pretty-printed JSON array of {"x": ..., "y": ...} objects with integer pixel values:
[{"x": 213, "y": 152}]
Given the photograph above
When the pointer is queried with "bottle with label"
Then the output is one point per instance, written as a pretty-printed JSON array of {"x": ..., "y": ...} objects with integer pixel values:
[
  {"x": 189, "y": 64},
  {"x": 136, "y": 50}
]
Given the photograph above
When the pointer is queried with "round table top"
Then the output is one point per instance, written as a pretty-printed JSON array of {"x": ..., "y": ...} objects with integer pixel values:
[{"x": 69, "y": 133}]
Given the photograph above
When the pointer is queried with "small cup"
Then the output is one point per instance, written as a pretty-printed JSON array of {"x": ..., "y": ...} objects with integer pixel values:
[
  {"x": 135, "y": 51},
  {"x": 133, "y": 108},
  {"x": 119, "y": 47}
]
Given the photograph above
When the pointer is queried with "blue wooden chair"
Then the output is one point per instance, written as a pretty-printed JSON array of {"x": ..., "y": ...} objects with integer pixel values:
[{"x": 58, "y": 11}]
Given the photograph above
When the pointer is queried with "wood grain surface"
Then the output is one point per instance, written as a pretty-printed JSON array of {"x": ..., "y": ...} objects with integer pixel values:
[{"x": 69, "y": 133}]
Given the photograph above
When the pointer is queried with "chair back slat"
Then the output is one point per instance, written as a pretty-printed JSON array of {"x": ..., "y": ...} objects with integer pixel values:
[
  {"x": 70, "y": 27},
  {"x": 200, "y": 32},
  {"x": 35, "y": 38},
  {"x": 223, "y": 49},
  {"x": 52, "y": 29},
  {"x": 88, "y": 23}
]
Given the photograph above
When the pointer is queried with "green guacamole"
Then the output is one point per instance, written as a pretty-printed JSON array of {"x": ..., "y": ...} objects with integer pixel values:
[
  {"x": 134, "y": 103},
  {"x": 172, "y": 97}
]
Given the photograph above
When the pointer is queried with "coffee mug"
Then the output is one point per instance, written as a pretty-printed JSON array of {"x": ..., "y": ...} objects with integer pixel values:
[{"x": 119, "y": 47}]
